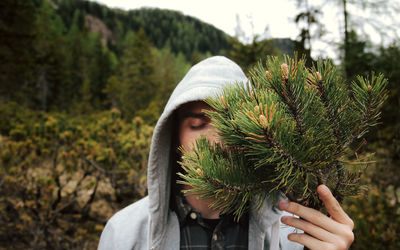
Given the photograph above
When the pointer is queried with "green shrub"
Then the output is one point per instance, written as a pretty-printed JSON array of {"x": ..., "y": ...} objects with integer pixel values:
[{"x": 62, "y": 177}]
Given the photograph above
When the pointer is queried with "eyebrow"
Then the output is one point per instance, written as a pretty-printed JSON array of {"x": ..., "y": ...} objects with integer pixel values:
[{"x": 200, "y": 115}]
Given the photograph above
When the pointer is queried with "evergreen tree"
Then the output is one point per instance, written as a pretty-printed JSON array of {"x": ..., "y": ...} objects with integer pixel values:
[
  {"x": 108, "y": 65},
  {"x": 289, "y": 131},
  {"x": 113, "y": 91},
  {"x": 17, "y": 26},
  {"x": 83, "y": 105},
  {"x": 75, "y": 60},
  {"x": 98, "y": 67},
  {"x": 50, "y": 53},
  {"x": 247, "y": 55},
  {"x": 308, "y": 21},
  {"x": 137, "y": 76},
  {"x": 169, "y": 70}
]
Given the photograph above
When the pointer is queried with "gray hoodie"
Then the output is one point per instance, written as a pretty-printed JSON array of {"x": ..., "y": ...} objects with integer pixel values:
[{"x": 149, "y": 223}]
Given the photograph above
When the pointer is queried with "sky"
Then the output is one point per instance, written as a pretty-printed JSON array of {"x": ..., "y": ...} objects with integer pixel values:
[
  {"x": 266, "y": 18},
  {"x": 223, "y": 14}
]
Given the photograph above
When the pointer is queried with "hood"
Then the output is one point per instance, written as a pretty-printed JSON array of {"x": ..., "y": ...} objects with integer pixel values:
[{"x": 203, "y": 80}]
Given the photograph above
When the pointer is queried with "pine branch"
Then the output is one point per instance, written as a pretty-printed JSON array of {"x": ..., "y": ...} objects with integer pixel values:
[
  {"x": 325, "y": 100},
  {"x": 235, "y": 188},
  {"x": 288, "y": 132},
  {"x": 274, "y": 144},
  {"x": 370, "y": 95},
  {"x": 286, "y": 90}
]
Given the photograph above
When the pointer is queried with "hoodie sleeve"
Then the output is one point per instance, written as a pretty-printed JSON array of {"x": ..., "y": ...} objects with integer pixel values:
[
  {"x": 107, "y": 239},
  {"x": 127, "y": 229}
]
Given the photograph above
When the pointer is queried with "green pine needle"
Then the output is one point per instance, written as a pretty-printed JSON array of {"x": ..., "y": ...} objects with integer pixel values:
[{"x": 289, "y": 130}]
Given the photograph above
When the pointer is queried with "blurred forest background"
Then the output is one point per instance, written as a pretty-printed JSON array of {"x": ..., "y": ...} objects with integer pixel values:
[{"x": 82, "y": 85}]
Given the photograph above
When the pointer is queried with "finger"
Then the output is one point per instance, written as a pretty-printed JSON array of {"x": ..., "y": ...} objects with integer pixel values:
[
  {"x": 308, "y": 241},
  {"x": 309, "y": 228},
  {"x": 312, "y": 215},
  {"x": 333, "y": 207}
]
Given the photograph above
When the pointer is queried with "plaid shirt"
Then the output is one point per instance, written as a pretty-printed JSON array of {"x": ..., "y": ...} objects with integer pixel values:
[{"x": 197, "y": 233}]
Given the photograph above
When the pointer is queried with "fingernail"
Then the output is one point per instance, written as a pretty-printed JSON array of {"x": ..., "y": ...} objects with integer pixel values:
[
  {"x": 324, "y": 190},
  {"x": 283, "y": 205},
  {"x": 283, "y": 219}
]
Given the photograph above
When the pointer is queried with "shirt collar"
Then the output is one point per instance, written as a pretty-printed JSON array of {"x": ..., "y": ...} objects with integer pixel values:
[{"x": 183, "y": 209}]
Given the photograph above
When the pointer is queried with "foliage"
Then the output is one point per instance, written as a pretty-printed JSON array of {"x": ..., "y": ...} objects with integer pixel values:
[
  {"x": 73, "y": 63},
  {"x": 376, "y": 213},
  {"x": 137, "y": 77},
  {"x": 62, "y": 178},
  {"x": 142, "y": 70},
  {"x": 55, "y": 60},
  {"x": 165, "y": 28},
  {"x": 307, "y": 21},
  {"x": 291, "y": 130},
  {"x": 13, "y": 113},
  {"x": 170, "y": 69},
  {"x": 16, "y": 43},
  {"x": 247, "y": 55}
]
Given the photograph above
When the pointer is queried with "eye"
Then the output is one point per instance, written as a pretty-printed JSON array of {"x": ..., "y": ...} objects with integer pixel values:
[
  {"x": 198, "y": 127},
  {"x": 197, "y": 123}
]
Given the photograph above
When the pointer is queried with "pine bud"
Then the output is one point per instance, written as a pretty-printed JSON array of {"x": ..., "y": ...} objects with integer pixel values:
[
  {"x": 252, "y": 95},
  {"x": 266, "y": 109},
  {"x": 252, "y": 117},
  {"x": 268, "y": 76},
  {"x": 263, "y": 121},
  {"x": 224, "y": 102},
  {"x": 271, "y": 112},
  {"x": 257, "y": 109},
  {"x": 199, "y": 172},
  {"x": 369, "y": 87},
  {"x": 285, "y": 70},
  {"x": 319, "y": 76}
]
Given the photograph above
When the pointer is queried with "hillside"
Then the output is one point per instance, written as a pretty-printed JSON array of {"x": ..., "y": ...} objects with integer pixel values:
[
  {"x": 77, "y": 55},
  {"x": 181, "y": 33}
]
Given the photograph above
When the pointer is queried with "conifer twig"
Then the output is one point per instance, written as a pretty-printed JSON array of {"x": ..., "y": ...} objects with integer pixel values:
[{"x": 289, "y": 132}]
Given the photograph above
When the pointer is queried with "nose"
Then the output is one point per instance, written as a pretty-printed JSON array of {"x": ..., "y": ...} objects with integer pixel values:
[{"x": 211, "y": 135}]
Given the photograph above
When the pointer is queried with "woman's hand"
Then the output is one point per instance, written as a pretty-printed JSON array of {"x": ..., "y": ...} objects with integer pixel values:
[{"x": 320, "y": 231}]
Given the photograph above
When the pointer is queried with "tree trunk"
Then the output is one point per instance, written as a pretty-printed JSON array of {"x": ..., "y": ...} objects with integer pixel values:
[
  {"x": 346, "y": 38},
  {"x": 43, "y": 86}
]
